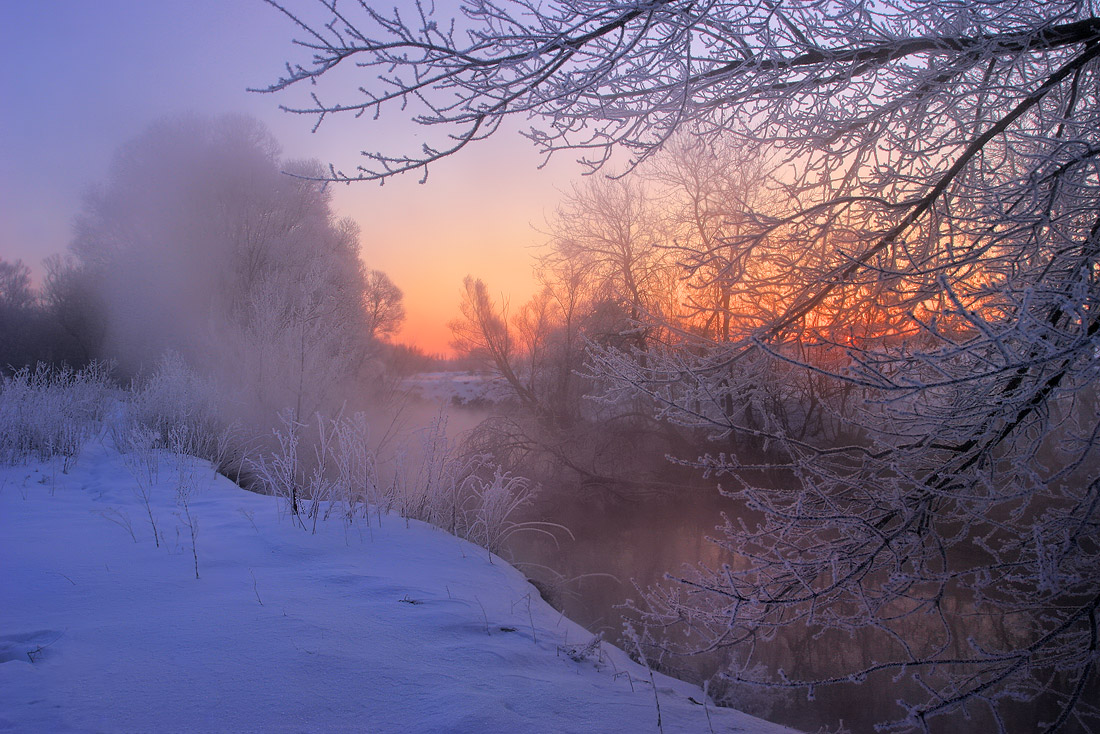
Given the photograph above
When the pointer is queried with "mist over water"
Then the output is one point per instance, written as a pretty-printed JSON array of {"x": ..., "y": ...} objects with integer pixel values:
[{"x": 399, "y": 427}]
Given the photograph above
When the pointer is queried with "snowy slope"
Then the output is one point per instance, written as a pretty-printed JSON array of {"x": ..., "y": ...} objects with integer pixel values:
[{"x": 365, "y": 629}]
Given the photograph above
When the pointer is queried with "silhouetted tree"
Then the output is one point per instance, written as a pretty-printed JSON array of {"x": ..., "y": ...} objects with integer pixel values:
[
  {"x": 15, "y": 285},
  {"x": 383, "y": 304},
  {"x": 483, "y": 332},
  {"x": 72, "y": 297},
  {"x": 30, "y": 333},
  {"x": 17, "y": 300}
]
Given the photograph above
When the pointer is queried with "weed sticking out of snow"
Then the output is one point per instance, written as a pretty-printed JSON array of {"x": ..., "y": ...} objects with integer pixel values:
[
  {"x": 585, "y": 652},
  {"x": 178, "y": 441}
]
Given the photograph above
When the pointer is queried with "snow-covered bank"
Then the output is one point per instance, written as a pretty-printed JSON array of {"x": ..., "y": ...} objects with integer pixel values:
[
  {"x": 356, "y": 628},
  {"x": 458, "y": 388}
]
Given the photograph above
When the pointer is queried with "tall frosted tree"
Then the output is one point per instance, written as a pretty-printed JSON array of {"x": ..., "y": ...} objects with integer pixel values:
[{"x": 201, "y": 243}]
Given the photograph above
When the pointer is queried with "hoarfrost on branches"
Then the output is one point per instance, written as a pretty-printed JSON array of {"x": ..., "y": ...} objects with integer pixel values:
[{"x": 929, "y": 251}]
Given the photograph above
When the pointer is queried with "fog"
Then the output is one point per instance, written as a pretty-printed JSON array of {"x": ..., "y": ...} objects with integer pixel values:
[{"x": 200, "y": 244}]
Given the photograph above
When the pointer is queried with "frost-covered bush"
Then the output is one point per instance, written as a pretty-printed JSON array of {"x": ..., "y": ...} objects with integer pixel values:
[
  {"x": 468, "y": 495},
  {"x": 428, "y": 478},
  {"x": 340, "y": 478},
  {"x": 355, "y": 485},
  {"x": 176, "y": 401},
  {"x": 51, "y": 411},
  {"x": 489, "y": 507},
  {"x": 279, "y": 471},
  {"x": 341, "y": 471}
]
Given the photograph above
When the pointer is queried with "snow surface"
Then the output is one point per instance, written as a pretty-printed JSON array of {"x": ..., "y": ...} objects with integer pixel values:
[
  {"x": 459, "y": 388},
  {"x": 361, "y": 628}
]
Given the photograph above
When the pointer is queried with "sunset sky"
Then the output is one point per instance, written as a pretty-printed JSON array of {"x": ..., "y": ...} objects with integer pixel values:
[{"x": 81, "y": 78}]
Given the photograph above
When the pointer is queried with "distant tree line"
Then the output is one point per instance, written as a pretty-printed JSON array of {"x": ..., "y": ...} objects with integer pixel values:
[{"x": 34, "y": 323}]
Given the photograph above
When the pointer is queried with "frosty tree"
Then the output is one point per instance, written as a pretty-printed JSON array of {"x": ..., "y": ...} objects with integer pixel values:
[
  {"x": 934, "y": 251},
  {"x": 228, "y": 262}
]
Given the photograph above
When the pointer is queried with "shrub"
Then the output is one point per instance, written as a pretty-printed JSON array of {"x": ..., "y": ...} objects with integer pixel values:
[
  {"x": 174, "y": 404},
  {"x": 51, "y": 411}
]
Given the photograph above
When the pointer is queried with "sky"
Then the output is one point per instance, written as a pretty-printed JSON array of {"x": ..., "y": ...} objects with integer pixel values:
[{"x": 81, "y": 77}]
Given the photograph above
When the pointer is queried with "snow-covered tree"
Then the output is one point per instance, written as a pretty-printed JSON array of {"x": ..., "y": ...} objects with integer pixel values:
[
  {"x": 201, "y": 243},
  {"x": 935, "y": 247},
  {"x": 610, "y": 230}
]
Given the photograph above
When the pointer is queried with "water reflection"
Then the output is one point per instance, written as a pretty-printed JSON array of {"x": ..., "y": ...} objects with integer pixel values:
[{"x": 624, "y": 546}]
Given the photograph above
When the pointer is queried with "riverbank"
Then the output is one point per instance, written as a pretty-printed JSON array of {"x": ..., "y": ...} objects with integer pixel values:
[{"x": 380, "y": 626}]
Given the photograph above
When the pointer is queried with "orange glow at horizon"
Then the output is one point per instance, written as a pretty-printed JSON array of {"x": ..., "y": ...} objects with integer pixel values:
[{"x": 479, "y": 214}]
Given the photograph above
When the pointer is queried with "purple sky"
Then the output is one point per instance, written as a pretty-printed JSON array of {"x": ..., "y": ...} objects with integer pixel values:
[{"x": 80, "y": 78}]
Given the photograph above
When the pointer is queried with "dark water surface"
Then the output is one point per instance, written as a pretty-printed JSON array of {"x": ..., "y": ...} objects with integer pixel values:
[{"x": 623, "y": 545}]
